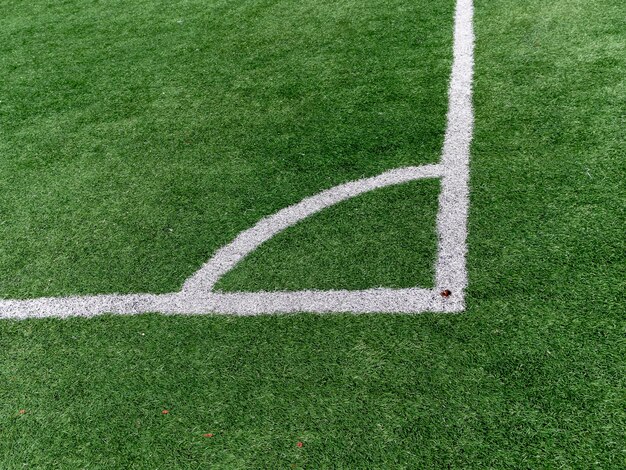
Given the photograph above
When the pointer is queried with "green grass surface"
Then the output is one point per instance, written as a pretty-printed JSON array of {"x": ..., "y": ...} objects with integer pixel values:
[
  {"x": 139, "y": 137},
  {"x": 532, "y": 375}
]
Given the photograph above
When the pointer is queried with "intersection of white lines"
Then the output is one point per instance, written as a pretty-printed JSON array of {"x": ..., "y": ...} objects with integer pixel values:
[{"x": 198, "y": 296}]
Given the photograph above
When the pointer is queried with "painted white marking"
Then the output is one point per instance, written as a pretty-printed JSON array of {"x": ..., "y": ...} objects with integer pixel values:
[
  {"x": 198, "y": 297},
  {"x": 249, "y": 240}
]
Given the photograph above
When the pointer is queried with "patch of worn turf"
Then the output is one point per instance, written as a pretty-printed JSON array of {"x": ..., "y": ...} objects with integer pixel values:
[
  {"x": 384, "y": 238},
  {"x": 532, "y": 375},
  {"x": 137, "y": 137}
]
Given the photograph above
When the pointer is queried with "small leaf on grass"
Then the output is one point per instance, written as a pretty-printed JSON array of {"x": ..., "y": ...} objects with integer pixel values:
[
  {"x": 299, "y": 444},
  {"x": 164, "y": 412},
  {"x": 207, "y": 435}
]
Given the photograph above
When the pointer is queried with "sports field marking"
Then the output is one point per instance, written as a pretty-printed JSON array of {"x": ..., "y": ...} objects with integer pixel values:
[{"x": 198, "y": 297}]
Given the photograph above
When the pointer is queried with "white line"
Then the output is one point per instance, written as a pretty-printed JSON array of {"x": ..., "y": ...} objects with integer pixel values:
[
  {"x": 197, "y": 296},
  {"x": 454, "y": 197},
  {"x": 249, "y": 240},
  {"x": 239, "y": 303},
  {"x": 86, "y": 306}
]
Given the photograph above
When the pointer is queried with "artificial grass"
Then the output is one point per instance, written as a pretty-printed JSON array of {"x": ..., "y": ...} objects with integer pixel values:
[
  {"x": 531, "y": 375},
  {"x": 137, "y": 137},
  {"x": 384, "y": 238}
]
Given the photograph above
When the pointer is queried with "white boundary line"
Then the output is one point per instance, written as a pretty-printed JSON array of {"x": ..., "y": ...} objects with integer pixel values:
[{"x": 197, "y": 295}]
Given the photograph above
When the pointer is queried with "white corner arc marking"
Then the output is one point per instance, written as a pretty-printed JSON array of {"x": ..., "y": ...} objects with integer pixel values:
[
  {"x": 249, "y": 240},
  {"x": 198, "y": 297}
]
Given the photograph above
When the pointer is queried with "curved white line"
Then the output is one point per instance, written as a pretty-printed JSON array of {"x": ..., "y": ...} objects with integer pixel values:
[{"x": 249, "y": 240}]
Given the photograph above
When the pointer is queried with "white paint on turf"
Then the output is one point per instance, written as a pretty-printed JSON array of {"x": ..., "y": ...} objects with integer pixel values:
[
  {"x": 198, "y": 297},
  {"x": 249, "y": 240}
]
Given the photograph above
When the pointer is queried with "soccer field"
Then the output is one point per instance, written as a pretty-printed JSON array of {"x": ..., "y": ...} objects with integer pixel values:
[{"x": 222, "y": 158}]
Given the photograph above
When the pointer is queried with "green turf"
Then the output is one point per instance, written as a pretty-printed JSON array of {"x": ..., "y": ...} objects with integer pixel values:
[
  {"x": 137, "y": 137},
  {"x": 383, "y": 238},
  {"x": 532, "y": 375}
]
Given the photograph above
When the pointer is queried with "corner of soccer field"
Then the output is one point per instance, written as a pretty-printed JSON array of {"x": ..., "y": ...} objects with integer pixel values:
[{"x": 158, "y": 156}]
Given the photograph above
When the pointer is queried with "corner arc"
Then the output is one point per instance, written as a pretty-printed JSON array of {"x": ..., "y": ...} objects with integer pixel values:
[{"x": 227, "y": 257}]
